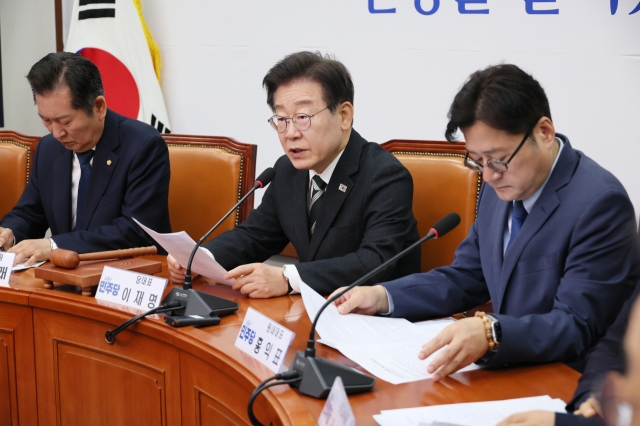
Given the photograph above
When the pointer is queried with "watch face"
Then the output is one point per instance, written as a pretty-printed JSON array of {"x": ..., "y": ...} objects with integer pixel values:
[{"x": 496, "y": 330}]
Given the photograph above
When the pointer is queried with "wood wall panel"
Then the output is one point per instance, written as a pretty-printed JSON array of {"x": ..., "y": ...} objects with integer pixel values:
[
  {"x": 17, "y": 391},
  {"x": 84, "y": 380}
]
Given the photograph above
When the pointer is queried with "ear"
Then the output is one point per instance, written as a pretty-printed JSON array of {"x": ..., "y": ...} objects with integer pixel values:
[
  {"x": 100, "y": 107},
  {"x": 544, "y": 131},
  {"x": 346, "y": 115}
]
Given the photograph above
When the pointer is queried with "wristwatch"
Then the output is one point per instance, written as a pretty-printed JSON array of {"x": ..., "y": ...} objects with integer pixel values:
[
  {"x": 496, "y": 330},
  {"x": 284, "y": 274}
]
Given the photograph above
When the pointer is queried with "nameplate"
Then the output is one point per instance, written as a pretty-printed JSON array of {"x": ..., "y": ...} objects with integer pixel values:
[
  {"x": 6, "y": 263},
  {"x": 337, "y": 410},
  {"x": 132, "y": 289},
  {"x": 264, "y": 339}
]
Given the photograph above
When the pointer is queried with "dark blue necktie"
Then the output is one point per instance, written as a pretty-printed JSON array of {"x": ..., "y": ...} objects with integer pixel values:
[
  {"x": 518, "y": 215},
  {"x": 85, "y": 172}
]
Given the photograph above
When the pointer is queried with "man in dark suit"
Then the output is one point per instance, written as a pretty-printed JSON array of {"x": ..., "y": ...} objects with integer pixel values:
[
  {"x": 553, "y": 245},
  {"x": 344, "y": 203},
  {"x": 93, "y": 173}
]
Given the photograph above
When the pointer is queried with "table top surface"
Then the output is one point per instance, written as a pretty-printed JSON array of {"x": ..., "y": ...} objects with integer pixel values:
[{"x": 556, "y": 380}]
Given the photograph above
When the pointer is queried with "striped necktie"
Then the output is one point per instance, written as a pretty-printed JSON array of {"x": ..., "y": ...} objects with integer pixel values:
[{"x": 317, "y": 191}]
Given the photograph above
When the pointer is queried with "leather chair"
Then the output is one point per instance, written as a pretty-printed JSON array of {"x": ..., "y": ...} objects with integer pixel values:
[
  {"x": 441, "y": 185},
  {"x": 209, "y": 174},
  {"x": 16, "y": 156}
]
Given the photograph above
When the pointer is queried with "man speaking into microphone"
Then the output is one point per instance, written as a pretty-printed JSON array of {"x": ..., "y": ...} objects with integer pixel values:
[
  {"x": 344, "y": 203},
  {"x": 553, "y": 245}
]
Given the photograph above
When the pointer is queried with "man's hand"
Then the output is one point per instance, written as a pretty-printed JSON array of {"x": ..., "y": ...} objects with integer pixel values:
[
  {"x": 176, "y": 271},
  {"x": 589, "y": 408},
  {"x": 32, "y": 250},
  {"x": 259, "y": 280},
  {"x": 363, "y": 300},
  {"x": 465, "y": 341},
  {"x": 530, "y": 418},
  {"x": 6, "y": 238}
]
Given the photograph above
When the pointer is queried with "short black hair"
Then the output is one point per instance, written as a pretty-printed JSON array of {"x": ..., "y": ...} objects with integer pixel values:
[
  {"x": 79, "y": 74},
  {"x": 501, "y": 96},
  {"x": 332, "y": 75}
]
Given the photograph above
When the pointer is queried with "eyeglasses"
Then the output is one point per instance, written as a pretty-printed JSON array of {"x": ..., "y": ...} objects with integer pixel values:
[
  {"x": 495, "y": 165},
  {"x": 301, "y": 121}
]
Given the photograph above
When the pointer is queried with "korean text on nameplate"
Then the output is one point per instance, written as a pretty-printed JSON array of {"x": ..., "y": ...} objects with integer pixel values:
[
  {"x": 6, "y": 262},
  {"x": 264, "y": 339},
  {"x": 132, "y": 289}
]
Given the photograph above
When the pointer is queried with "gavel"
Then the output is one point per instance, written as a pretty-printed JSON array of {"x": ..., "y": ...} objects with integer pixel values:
[{"x": 70, "y": 259}]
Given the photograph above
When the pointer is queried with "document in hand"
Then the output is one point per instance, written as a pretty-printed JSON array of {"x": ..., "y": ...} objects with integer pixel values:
[
  {"x": 467, "y": 414},
  {"x": 180, "y": 245},
  {"x": 386, "y": 347}
]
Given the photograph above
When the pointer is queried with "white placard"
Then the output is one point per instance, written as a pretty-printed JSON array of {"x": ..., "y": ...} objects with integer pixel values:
[
  {"x": 6, "y": 263},
  {"x": 264, "y": 339},
  {"x": 337, "y": 410},
  {"x": 132, "y": 289}
]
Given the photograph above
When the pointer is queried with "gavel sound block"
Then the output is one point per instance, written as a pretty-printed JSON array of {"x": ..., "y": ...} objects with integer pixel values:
[{"x": 65, "y": 266}]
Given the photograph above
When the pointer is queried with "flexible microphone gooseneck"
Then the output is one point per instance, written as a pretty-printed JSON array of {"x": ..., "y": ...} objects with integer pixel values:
[
  {"x": 263, "y": 180},
  {"x": 318, "y": 373},
  {"x": 203, "y": 304}
]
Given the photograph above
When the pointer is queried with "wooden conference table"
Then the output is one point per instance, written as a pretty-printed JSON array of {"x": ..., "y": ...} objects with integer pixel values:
[{"x": 57, "y": 369}]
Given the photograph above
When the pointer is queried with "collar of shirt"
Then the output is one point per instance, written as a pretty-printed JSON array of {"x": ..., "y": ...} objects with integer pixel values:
[
  {"x": 529, "y": 202},
  {"x": 326, "y": 174}
]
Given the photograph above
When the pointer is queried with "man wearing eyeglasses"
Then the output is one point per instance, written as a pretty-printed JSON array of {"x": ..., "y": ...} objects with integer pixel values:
[
  {"x": 553, "y": 246},
  {"x": 344, "y": 203}
]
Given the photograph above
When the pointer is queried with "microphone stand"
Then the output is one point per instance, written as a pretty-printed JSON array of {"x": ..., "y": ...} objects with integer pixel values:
[
  {"x": 200, "y": 303},
  {"x": 318, "y": 374}
]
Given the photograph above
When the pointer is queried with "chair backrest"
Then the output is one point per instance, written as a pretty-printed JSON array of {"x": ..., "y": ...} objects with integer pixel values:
[
  {"x": 209, "y": 174},
  {"x": 16, "y": 157},
  {"x": 441, "y": 185}
]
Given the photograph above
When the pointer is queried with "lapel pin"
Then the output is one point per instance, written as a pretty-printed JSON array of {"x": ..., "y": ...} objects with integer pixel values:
[
  {"x": 108, "y": 162},
  {"x": 343, "y": 187}
]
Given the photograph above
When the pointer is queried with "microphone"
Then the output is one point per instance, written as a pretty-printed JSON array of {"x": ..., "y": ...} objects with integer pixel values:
[
  {"x": 202, "y": 304},
  {"x": 318, "y": 374}
]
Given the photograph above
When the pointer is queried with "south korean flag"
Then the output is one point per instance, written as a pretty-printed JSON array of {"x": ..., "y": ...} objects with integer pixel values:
[{"x": 113, "y": 35}]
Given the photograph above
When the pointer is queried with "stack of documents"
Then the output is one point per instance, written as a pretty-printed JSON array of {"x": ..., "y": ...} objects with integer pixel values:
[
  {"x": 468, "y": 414},
  {"x": 386, "y": 347}
]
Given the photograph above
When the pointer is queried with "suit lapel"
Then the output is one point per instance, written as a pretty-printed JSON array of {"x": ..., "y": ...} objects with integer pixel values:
[
  {"x": 334, "y": 197},
  {"x": 62, "y": 192},
  {"x": 301, "y": 223},
  {"x": 105, "y": 162},
  {"x": 540, "y": 213}
]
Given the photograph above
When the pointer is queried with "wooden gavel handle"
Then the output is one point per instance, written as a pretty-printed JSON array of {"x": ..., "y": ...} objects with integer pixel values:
[{"x": 120, "y": 254}]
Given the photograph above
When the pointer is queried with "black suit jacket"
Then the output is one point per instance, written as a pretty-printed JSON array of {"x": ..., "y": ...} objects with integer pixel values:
[
  {"x": 358, "y": 229},
  {"x": 129, "y": 178}
]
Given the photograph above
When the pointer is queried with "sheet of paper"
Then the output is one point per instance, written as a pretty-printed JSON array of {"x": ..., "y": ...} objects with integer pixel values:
[
  {"x": 468, "y": 414},
  {"x": 20, "y": 266},
  {"x": 180, "y": 245},
  {"x": 386, "y": 347}
]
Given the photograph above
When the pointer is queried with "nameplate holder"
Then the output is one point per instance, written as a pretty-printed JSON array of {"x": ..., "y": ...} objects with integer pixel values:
[
  {"x": 130, "y": 289},
  {"x": 264, "y": 339},
  {"x": 6, "y": 263},
  {"x": 337, "y": 410}
]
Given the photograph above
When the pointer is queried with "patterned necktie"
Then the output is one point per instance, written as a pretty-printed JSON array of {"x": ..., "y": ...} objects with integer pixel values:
[
  {"x": 317, "y": 191},
  {"x": 518, "y": 215},
  {"x": 85, "y": 172}
]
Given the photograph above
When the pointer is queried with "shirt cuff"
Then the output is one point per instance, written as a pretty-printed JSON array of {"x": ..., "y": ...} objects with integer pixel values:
[
  {"x": 54, "y": 246},
  {"x": 292, "y": 274},
  {"x": 390, "y": 302}
]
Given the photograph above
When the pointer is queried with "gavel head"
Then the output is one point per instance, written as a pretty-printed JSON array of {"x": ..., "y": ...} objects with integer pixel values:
[{"x": 65, "y": 258}]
